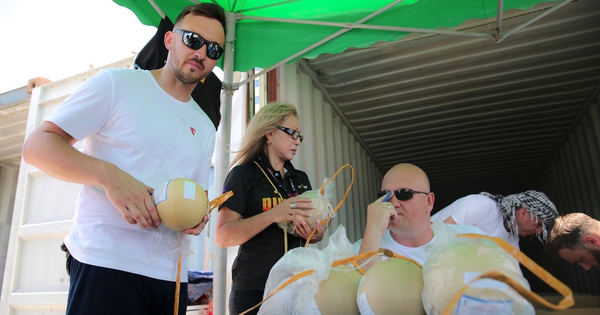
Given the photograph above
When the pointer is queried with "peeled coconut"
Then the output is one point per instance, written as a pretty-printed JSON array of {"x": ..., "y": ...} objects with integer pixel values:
[
  {"x": 449, "y": 268},
  {"x": 181, "y": 203},
  {"x": 392, "y": 286},
  {"x": 337, "y": 293},
  {"x": 322, "y": 210}
]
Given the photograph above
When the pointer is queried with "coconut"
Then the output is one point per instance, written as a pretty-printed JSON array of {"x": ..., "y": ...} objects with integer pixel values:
[
  {"x": 392, "y": 286},
  {"x": 322, "y": 210},
  {"x": 337, "y": 293},
  {"x": 449, "y": 268},
  {"x": 181, "y": 203}
]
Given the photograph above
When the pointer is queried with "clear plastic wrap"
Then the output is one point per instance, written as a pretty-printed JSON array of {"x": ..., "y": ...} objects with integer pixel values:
[
  {"x": 323, "y": 209},
  {"x": 298, "y": 297},
  {"x": 166, "y": 241},
  {"x": 392, "y": 286},
  {"x": 454, "y": 261}
]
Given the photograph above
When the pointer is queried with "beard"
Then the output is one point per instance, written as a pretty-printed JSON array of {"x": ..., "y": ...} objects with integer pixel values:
[
  {"x": 596, "y": 254},
  {"x": 187, "y": 78}
]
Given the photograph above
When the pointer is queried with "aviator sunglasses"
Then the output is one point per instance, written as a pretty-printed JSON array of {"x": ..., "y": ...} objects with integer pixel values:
[
  {"x": 195, "y": 41},
  {"x": 293, "y": 133},
  {"x": 401, "y": 194}
]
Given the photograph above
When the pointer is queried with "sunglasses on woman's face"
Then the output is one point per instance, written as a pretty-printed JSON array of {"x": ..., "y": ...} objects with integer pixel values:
[
  {"x": 402, "y": 194},
  {"x": 195, "y": 41},
  {"x": 295, "y": 134}
]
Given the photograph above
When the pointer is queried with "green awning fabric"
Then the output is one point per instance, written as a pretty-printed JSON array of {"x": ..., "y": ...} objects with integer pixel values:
[{"x": 265, "y": 43}]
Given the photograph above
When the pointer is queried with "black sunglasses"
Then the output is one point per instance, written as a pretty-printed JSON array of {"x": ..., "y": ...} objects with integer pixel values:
[
  {"x": 195, "y": 41},
  {"x": 402, "y": 194},
  {"x": 293, "y": 133}
]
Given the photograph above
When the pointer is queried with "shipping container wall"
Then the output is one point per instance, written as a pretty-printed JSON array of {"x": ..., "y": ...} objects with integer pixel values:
[
  {"x": 572, "y": 181},
  {"x": 35, "y": 280},
  {"x": 8, "y": 186},
  {"x": 327, "y": 147}
]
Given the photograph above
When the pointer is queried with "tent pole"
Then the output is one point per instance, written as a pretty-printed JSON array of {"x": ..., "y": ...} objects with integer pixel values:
[
  {"x": 371, "y": 27},
  {"x": 221, "y": 164},
  {"x": 157, "y": 8},
  {"x": 523, "y": 25},
  {"x": 499, "y": 16},
  {"x": 346, "y": 27}
]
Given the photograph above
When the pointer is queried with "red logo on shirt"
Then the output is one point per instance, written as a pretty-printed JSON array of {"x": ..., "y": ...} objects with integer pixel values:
[{"x": 193, "y": 131}]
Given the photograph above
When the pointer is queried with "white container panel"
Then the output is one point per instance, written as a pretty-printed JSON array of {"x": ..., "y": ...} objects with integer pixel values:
[
  {"x": 49, "y": 199},
  {"x": 42, "y": 266}
]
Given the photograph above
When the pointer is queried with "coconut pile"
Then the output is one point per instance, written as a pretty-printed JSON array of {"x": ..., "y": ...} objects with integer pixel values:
[{"x": 303, "y": 282}]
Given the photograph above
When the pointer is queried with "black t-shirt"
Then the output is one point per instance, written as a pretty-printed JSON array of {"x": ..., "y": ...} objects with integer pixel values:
[{"x": 253, "y": 194}]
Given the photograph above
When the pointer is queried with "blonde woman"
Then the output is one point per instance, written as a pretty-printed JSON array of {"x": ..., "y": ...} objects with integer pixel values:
[{"x": 266, "y": 187}]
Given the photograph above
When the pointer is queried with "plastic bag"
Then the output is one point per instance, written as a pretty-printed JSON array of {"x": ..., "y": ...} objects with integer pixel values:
[
  {"x": 298, "y": 297},
  {"x": 323, "y": 209},
  {"x": 164, "y": 241},
  {"x": 454, "y": 261}
]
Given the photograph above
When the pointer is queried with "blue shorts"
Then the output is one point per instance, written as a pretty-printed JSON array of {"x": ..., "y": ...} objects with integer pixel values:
[{"x": 100, "y": 291}]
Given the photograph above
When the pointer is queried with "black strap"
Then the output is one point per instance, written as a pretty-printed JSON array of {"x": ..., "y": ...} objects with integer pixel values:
[{"x": 64, "y": 248}]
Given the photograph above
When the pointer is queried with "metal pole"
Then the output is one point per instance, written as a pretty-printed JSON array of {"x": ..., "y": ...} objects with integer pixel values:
[
  {"x": 499, "y": 16},
  {"x": 521, "y": 26},
  {"x": 222, "y": 162}
]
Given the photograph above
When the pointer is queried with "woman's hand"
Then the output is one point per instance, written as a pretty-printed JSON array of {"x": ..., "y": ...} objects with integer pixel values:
[
  {"x": 293, "y": 209},
  {"x": 304, "y": 230}
]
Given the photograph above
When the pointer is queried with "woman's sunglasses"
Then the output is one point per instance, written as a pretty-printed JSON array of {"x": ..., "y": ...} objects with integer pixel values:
[
  {"x": 293, "y": 133},
  {"x": 195, "y": 41},
  {"x": 401, "y": 194}
]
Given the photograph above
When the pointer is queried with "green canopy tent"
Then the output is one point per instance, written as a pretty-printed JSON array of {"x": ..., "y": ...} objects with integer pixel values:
[{"x": 269, "y": 33}]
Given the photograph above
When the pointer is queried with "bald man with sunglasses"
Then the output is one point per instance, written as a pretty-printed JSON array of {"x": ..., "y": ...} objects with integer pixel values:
[
  {"x": 139, "y": 129},
  {"x": 399, "y": 220}
]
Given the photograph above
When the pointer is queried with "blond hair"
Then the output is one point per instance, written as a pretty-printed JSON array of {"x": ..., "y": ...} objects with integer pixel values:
[
  {"x": 567, "y": 232},
  {"x": 264, "y": 122}
]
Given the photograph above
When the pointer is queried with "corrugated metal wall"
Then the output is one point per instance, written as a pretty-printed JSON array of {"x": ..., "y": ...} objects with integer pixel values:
[
  {"x": 572, "y": 182},
  {"x": 328, "y": 145},
  {"x": 571, "y": 179}
]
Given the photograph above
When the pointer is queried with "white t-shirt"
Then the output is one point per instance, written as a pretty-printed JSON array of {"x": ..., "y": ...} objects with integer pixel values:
[
  {"x": 479, "y": 211},
  {"x": 417, "y": 254},
  {"x": 124, "y": 117}
]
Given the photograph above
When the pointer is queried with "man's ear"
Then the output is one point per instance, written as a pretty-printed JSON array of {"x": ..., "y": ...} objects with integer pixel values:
[
  {"x": 430, "y": 201},
  {"x": 169, "y": 40},
  {"x": 591, "y": 239}
]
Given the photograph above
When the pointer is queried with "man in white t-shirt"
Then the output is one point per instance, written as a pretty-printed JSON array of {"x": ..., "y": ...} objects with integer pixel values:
[
  {"x": 139, "y": 129},
  {"x": 506, "y": 217}
]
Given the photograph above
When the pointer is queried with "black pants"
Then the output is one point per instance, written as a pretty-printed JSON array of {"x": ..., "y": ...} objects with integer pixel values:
[
  {"x": 101, "y": 291},
  {"x": 240, "y": 301}
]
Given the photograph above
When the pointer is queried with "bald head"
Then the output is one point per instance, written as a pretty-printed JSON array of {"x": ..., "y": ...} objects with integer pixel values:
[
  {"x": 413, "y": 202},
  {"x": 407, "y": 173}
]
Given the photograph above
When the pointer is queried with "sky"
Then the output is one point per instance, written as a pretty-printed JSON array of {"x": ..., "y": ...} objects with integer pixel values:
[{"x": 57, "y": 39}]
